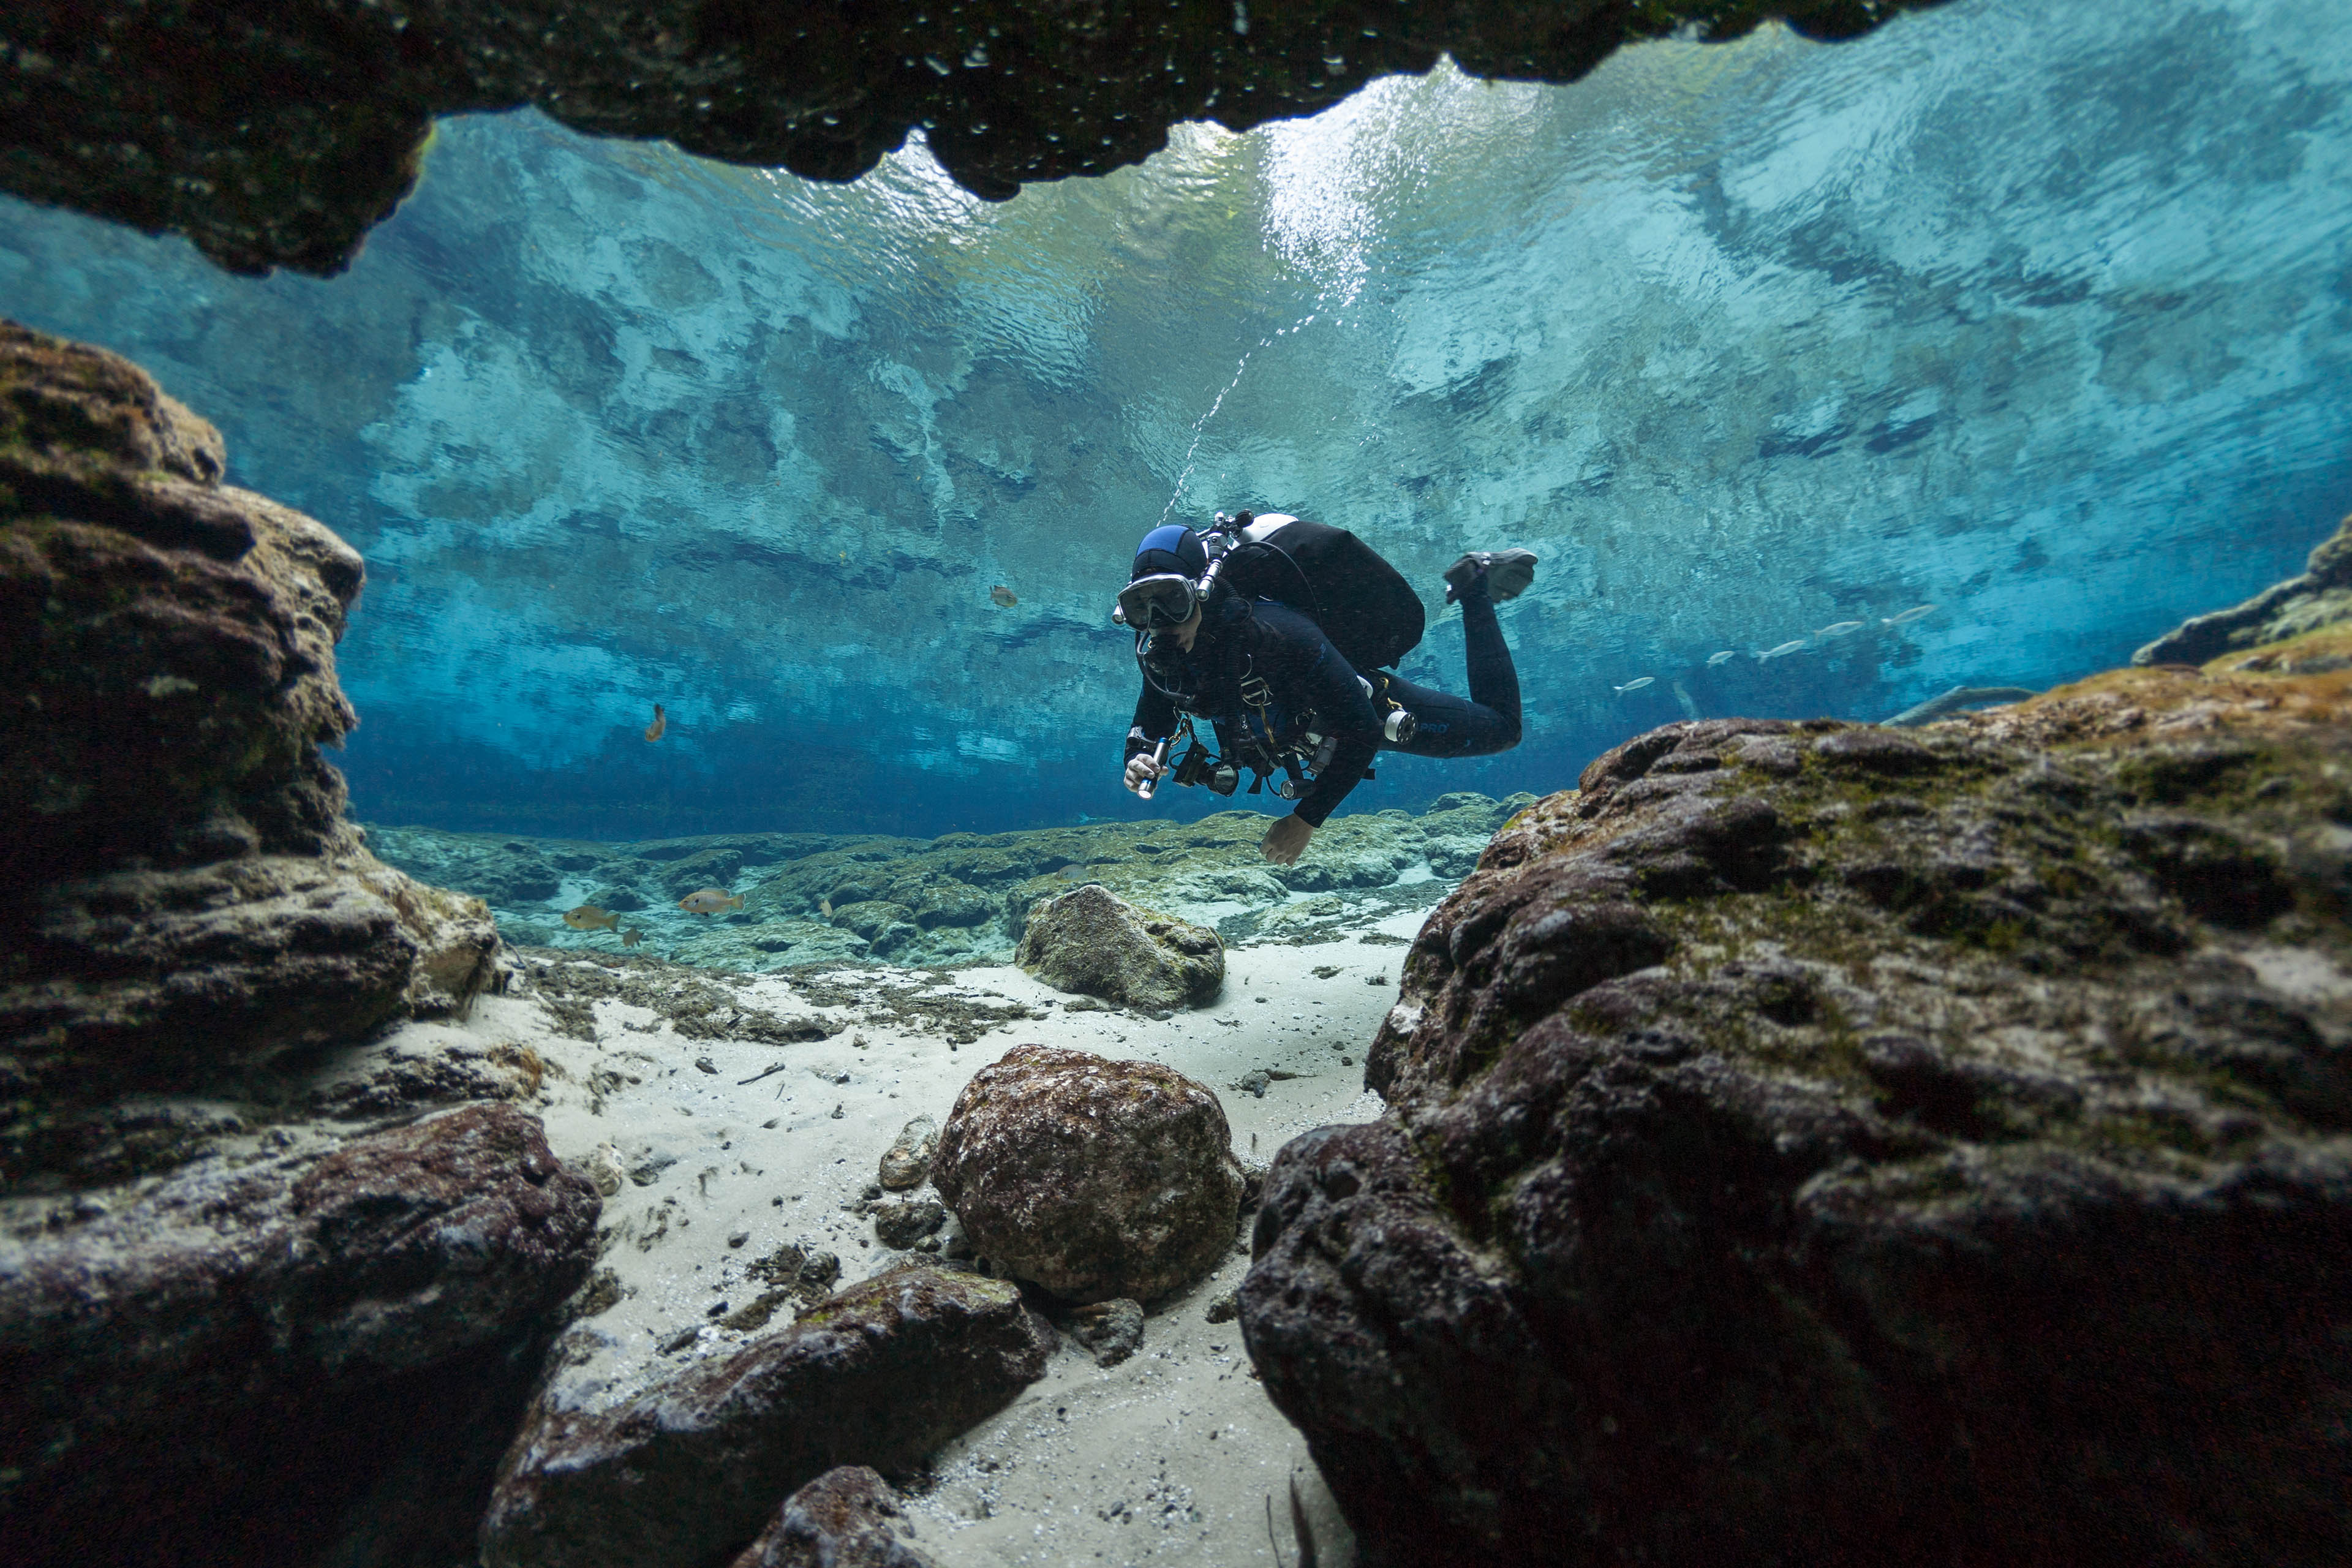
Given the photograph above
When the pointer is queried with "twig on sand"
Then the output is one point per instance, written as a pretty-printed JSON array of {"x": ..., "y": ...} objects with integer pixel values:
[
  {"x": 758, "y": 1076},
  {"x": 1271, "y": 1543}
]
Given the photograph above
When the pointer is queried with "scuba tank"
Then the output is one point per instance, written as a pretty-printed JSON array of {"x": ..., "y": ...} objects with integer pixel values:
[{"x": 1361, "y": 603}]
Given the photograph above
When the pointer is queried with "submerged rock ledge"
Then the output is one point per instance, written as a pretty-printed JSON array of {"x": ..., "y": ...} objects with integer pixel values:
[
  {"x": 814, "y": 898},
  {"x": 118, "y": 110}
]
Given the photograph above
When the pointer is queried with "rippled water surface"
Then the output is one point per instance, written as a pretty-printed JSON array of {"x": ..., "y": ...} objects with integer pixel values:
[{"x": 2032, "y": 312}]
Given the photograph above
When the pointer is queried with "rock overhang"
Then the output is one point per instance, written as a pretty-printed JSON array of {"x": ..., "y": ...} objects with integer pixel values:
[{"x": 327, "y": 114}]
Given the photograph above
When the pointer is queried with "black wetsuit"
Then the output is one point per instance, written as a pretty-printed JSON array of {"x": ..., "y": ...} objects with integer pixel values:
[{"x": 1306, "y": 679}]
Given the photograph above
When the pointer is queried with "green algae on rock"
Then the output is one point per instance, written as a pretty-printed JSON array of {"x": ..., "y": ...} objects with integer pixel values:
[
  {"x": 1830, "y": 1143},
  {"x": 2321, "y": 596},
  {"x": 1092, "y": 941}
]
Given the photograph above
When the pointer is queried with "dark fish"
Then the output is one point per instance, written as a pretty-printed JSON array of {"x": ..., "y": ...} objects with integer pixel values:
[{"x": 1002, "y": 597}]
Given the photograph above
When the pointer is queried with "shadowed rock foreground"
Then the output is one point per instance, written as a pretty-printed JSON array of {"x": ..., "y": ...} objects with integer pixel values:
[
  {"x": 1818, "y": 1143},
  {"x": 224, "y": 1340},
  {"x": 118, "y": 110},
  {"x": 280, "y": 1360},
  {"x": 884, "y": 1371}
]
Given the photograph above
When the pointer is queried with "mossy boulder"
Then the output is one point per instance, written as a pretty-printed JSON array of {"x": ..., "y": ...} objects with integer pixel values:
[
  {"x": 1812, "y": 1143},
  {"x": 1093, "y": 1178},
  {"x": 1090, "y": 940}
]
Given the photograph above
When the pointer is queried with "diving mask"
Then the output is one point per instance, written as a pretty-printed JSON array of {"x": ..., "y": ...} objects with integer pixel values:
[{"x": 1161, "y": 599}]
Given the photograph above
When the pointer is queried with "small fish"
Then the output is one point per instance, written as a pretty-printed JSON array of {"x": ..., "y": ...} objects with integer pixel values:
[
  {"x": 1637, "y": 684},
  {"x": 661, "y": 722},
  {"x": 631, "y": 937},
  {"x": 1726, "y": 656},
  {"x": 709, "y": 901},
  {"x": 1001, "y": 597},
  {"x": 588, "y": 917},
  {"x": 1916, "y": 612},
  {"x": 1787, "y": 648},
  {"x": 1838, "y": 628},
  {"x": 825, "y": 907}
]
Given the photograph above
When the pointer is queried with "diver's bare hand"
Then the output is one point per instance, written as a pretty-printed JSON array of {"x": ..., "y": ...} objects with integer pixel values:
[
  {"x": 1139, "y": 768},
  {"x": 1286, "y": 840}
]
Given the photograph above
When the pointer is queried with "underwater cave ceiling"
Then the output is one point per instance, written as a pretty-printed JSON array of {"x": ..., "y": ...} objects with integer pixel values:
[{"x": 276, "y": 135}]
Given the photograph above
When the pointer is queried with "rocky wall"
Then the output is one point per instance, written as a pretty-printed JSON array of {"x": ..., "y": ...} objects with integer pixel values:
[
  {"x": 248, "y": 1312},
  {"x": 181, "y": 898},
  {"x": 1812, "y": 1143}
]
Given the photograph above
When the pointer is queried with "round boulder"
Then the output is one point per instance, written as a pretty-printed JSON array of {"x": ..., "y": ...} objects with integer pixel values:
[
  {"x": 1093, "y": 1178},
  {"x": 1090, "y": 940}
]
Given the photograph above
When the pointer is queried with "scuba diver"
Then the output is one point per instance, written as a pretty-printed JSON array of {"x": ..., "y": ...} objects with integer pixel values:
[{"x": 1274, "y": 630}]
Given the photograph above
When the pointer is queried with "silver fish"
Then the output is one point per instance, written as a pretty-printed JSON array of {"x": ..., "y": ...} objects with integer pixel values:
[
  {"x": 1787, "y": 648},
  {"x": 1726, "y": 656},
  {"x": 1637, "y": 684},
  {"x": 1916, "y": 612},
  {"x": 1838, "y": 628}
]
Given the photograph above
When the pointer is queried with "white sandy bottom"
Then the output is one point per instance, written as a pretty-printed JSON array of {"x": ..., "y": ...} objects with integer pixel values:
[{"x": 1175, "y": 1456}]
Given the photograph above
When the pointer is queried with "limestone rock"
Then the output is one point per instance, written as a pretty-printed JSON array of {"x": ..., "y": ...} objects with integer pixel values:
[
  {"x": 2321, "y": 596},
  {"x": 962, "y": 897},
  {"x": 847, "y": 1518},
  {"x": 879, "y": 1373},
  {"x": 1090, "y": 1177},
  {"x": 1092, "y": 941},
  {"x": 124, "y": 120},
  {"x": 902, "y": 1221},
  {"x": 603, "y": 1168},
  {"x": 1813, "y": 1144},
  {"x": 179, "y": 1358},
  {"x": 1110, "y": 1331},
  {"x": 908, "y": 1161},
  {"x": 886, "y": 928},
  {"x": 181, "y": 895}
]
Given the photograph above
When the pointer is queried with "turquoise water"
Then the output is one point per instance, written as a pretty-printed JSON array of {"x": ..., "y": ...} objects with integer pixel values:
[{"x": 2033, "y": 312}]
